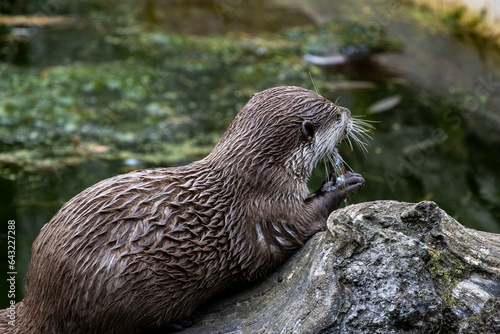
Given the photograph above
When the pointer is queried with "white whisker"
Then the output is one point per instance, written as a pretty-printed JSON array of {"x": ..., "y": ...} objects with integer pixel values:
[
  {"x": 349, "y": 143},
  {"x": 326, "y": 168},
  {"x": 314, "y": 83},
  {"x": 360, "y": 133}
]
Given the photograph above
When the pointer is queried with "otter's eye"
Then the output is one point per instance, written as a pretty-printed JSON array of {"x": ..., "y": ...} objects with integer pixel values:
[{"x": 307, "y": 129}]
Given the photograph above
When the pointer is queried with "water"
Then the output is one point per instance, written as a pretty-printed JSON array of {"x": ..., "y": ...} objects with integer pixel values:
[{"x": 140, "y": 84}]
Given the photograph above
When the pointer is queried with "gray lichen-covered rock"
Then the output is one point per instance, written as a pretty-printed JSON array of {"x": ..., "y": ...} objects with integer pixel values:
[{"x": 382, "y": 267}]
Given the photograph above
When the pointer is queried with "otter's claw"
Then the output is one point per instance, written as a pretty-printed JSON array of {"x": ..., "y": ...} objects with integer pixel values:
[{"x": 353, "y": 182}]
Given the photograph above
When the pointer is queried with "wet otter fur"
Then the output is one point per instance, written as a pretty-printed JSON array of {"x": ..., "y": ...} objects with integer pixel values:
[{"x": 144, "y": 249}]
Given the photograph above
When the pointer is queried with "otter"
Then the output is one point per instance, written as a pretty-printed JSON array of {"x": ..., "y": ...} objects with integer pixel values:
[{"x": 142, "y": 250}]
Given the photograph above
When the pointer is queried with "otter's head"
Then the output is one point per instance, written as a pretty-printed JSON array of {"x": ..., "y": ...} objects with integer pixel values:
[{"x": 289, "y": 127}]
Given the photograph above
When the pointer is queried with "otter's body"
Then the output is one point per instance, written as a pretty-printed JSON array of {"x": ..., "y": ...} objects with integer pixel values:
[{"x": 144, "y": 249}]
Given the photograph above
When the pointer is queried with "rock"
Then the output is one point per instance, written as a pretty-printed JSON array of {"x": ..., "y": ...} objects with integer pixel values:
[{"x": 381, "y": 267}]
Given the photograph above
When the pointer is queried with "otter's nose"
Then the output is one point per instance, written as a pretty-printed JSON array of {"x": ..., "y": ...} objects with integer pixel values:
[{"x": 344, "y": 110}]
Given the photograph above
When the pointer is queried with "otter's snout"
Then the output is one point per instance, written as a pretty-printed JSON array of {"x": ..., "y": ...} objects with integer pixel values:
[{"x": 345, "y": 121}]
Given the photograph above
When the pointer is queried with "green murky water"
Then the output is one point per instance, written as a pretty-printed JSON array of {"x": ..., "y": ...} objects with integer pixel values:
[{"x": 123, "y": 85}]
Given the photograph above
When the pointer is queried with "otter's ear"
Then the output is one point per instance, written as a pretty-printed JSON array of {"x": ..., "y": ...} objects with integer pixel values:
[{"x": 308, "y": 129}]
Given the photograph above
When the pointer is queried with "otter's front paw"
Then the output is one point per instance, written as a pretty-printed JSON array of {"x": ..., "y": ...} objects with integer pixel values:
[
  {"x": 333, "y": 193},
  {"x": 337, "y": 191},
  {"x": 348, "y": 183}
]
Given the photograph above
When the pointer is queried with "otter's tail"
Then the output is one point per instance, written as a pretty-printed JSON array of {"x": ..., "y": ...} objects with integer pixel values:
[{"x": 7, "y": 325}]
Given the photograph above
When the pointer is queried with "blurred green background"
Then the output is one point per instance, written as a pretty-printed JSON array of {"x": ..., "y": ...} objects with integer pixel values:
[{"x": 91, "y": 89}]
